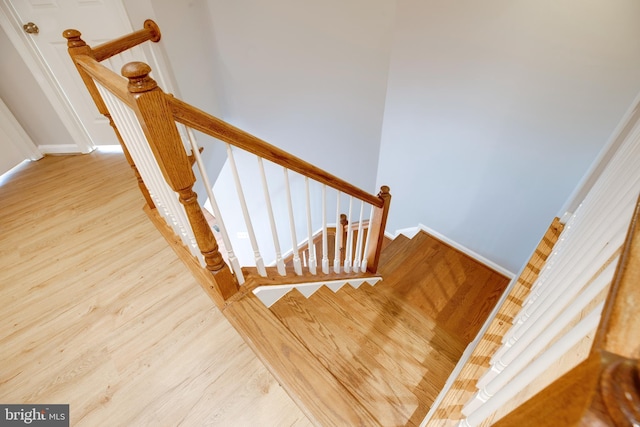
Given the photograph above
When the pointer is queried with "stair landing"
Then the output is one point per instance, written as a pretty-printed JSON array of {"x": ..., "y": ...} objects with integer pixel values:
[{"x": 374, "y": 355}]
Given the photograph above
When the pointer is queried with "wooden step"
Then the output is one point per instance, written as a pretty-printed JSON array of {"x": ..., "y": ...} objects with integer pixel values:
[
  {"x": 384, "y": 351},
  {"x": 444, "y": 284},
  {"x": 419, "y": 354},
  {"x": 416, "y": 332},
  {"x": 323, "y": 399},
  {"x": 397, "y": 252},
  {"x": 391, "y": 248},
  {"x": 364, "y": 369}
]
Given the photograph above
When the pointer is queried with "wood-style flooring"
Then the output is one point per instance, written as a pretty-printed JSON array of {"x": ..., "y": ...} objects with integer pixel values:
[{"x": 98, "y": 312}]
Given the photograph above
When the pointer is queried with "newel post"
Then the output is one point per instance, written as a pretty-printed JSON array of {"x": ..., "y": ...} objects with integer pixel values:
[
  {"x": 376, "y": 228},
  {"x": 158, "y": 125},
  {"x": 76, "y": 46}
]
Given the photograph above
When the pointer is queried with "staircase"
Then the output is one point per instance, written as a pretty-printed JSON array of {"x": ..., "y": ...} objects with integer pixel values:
[
  {"x": 372, "y": 356},
  {"x": 376, "y": 355},
  {"x": 380, "y": 355}
]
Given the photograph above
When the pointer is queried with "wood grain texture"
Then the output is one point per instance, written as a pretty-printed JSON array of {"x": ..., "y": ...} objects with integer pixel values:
[
  {"x": 149, "y": 32},
  {"x": 449, "y": 411},
  {"x": 446, "y": 285},
  {"x": 619, "y": 331},
  {"x": 98, "y": 312},
  {"x": 323, "y": 398},
  {"x": 369, "y": 374},
  {"x": 387, "y": 344}
]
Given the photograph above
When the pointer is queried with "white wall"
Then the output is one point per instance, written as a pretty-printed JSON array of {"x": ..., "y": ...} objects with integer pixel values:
[
  {"x": 25, "y": 99},
  {"x": 188, "y": 58},
  {"x": 495, "y": 109},
  {"x": 308, "y": 76}
]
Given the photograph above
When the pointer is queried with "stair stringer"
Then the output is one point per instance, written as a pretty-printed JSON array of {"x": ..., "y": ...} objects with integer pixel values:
[{"x": 269, "y": 295}]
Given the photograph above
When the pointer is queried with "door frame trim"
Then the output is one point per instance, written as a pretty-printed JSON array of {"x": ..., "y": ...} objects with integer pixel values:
[{"x": 10, "y": 23}]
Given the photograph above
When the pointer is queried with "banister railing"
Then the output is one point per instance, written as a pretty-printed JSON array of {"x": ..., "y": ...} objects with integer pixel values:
[
  {"x": 217, "y": 128},
  {"x": 154, "y": 138},
  {"x": 149, "y": 32},
  {"x": 199, "y": 120},
  {"x": 604, "y": 389}
]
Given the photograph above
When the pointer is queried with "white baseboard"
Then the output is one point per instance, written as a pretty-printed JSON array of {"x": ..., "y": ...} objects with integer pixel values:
[
  {"x": 412, "y": 231},
  {"x": 61, "y": 149}
]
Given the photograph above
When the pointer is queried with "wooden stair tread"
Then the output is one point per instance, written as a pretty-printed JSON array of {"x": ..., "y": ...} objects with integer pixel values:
[
  {"x": 318, "y": 393},
  {"x": 444, "y": 284},
  {"x": 414, "y": 330},
  {"x": 366, "y": 371},
  {"x": 383, "y": 351},
  {"x": 392, "y": 248},
  {"x": 415, "y": 356},
  {"x": 398, "y": 253}
]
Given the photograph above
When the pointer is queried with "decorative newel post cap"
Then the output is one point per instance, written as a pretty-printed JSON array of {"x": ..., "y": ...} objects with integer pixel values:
[
  {"x": 73, "y": 38},
  {"x": 138, "y": 75},
  {"x": 384, "y": 189},
  {"x": 154, "y": 29}
]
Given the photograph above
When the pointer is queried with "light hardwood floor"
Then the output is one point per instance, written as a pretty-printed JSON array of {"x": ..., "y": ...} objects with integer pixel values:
[{"x": 98, "y": 312}]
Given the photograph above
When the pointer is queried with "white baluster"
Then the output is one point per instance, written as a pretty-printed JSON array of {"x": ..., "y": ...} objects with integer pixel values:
[
  {"x": 582, "y": 247},
  {"x": 245, "y": 212},
  {"x": 552, "y": 302},
  {"x": 547, "y": 328},
  {"x": 233, "y": 259},
  {"x": 578, "y": 271},
  {"x": 310, "y": 245},
  {"x": 325, "y": 250},
  {"x": 164, "y": 197},
  {"x": 349, "y": 246},
  {"x": 338, "y": 238},
  {"x": 497, "y": 394},
  {"x": 297, "y": 267},
  {"x": 585, "y": 257},
  {"x": 274, "y": 231}
]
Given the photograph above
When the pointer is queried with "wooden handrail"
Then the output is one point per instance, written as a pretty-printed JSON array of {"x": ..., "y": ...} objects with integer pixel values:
[
  {"x": 87, "y": 61},
  {"x": 619, "y": 330},
  {"x": 150, "y": 32},
  {"x": 217, "y": 128},
  {"x": 115, "y": 83},
  {"x": 78, "y": 49},
  {"x": 201, "y": 121},
  {"x": 204, "y": 122}
]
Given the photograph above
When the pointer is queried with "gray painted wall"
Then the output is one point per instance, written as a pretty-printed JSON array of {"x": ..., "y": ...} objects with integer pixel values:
[
  {"x": 495, "y": 110},
  {"x": 309, "y": 77}
]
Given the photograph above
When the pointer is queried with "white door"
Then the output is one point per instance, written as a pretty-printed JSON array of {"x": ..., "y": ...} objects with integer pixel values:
[{"x": 98, "y": 21}]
